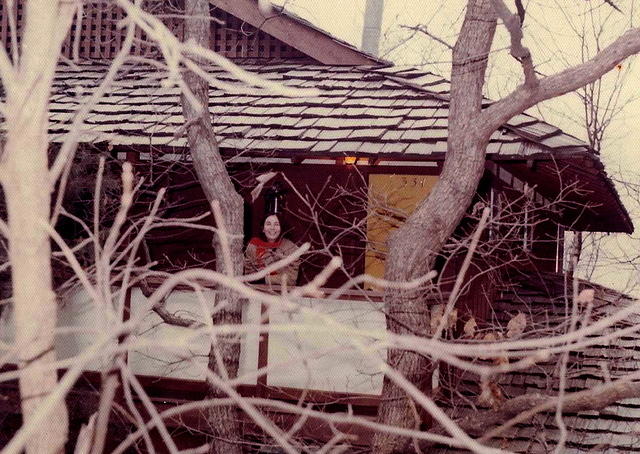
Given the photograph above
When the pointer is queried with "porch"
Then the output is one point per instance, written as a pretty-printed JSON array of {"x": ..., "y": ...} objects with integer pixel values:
[{"x": 312, "y": 354}]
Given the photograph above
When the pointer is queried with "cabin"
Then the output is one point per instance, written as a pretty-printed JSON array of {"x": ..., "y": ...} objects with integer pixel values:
[{"x": 351, "y": 160}]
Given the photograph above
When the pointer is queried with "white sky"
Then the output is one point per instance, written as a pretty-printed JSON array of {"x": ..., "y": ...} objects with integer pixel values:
[{"x": 550, "y": 33}]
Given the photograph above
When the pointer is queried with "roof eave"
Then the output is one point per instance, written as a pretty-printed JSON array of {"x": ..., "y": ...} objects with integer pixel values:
[{"x": 298, "y": 33}]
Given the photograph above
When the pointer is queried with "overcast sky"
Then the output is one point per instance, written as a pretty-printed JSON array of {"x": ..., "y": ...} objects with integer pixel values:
[{"x": 551, "y": 28}]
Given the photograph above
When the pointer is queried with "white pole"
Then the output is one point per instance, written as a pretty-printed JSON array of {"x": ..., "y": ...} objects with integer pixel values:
[{"x": 372, "y": 26}]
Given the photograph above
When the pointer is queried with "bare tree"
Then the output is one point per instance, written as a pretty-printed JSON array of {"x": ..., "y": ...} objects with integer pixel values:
[
  {"x": 601, "y": 102},
  {"x": 228, "y": 205},
  {"x": 27, "y": 184},
  {"x": 470, "y": 127},
  {"x": 408, "y": 367}
]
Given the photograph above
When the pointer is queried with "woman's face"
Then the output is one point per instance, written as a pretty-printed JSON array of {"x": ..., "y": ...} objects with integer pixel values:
[{"x": 271, "y": 228}]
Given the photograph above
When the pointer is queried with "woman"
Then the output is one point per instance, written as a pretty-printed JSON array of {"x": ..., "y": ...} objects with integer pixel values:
[{"x": 269, "y": 248}]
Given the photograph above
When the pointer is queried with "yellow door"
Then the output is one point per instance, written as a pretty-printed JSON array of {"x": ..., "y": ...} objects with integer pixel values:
[{"x": 392, "y": 198}]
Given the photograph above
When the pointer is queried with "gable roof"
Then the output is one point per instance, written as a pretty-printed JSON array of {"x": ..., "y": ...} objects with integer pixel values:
[
  {"x": 541, "y": 299},
  {"x": 298, "y": 33},
  {"x": 381, "y": 113}
]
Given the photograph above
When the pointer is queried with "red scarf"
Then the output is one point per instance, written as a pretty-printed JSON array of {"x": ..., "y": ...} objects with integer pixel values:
[{"x": 261, "y": 248}]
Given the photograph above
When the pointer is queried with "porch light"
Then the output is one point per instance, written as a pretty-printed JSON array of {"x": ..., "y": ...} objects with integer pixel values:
[
  {"x": 275, "y": 199},
  {"x": 350, "y": 160}
]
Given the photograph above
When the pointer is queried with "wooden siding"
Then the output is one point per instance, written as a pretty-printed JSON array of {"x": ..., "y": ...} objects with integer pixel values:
[{"x": 337, "y": 197}]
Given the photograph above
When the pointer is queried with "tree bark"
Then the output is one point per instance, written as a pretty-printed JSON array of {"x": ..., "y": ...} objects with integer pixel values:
[
  {"x": 218, "y": 188},
  {"x": 24, "y": 175},
  {"x": 436, "y": 218}
]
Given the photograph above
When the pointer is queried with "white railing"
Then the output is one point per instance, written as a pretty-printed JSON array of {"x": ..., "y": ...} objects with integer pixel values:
[{"x": 309, "y": 347}]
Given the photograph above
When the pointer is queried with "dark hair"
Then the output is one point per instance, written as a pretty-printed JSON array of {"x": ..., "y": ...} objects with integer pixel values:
[{"x": 283, "y": 226}]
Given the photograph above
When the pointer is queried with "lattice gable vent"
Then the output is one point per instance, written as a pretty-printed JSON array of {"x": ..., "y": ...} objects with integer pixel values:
[
  {"x": 100, "y": 33},
  {"x": 236, "y": 39}
]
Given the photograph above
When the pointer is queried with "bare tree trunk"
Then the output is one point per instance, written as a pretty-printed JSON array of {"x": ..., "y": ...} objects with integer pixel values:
[
  {"x": 218, "y": 188},
  {"x": 5, "y": 275},
  {"x": 435, "y": 220},
  {"x": 24, "y": 175},
  {"x": 29, "y": 253}
]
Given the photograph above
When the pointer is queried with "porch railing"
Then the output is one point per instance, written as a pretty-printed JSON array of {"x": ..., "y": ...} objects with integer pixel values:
[{"x": 314, "y": 347}]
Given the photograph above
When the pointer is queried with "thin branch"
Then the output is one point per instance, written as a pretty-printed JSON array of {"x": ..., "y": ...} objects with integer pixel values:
[
  {"x": 69, "y": 146},
  {"x": 453, "y": 297},
  {"x": 524, "y": 407},
  {"x": 150, "y": 407},
  {"x": 78, "y": 33},
  {"x": 423, "y": 29},
  {"x": 513, "y": 24},
  {"x": 110, "y": 383},
  {"x": 173, "y": 319},
  {"x": 613, "y": 5}
]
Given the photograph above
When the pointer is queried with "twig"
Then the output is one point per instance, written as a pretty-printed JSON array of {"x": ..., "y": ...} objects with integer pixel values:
[
  {"x": 423, "y": 29},
  {"x": 453, "y": 296},
  {"x": 110, "y": 382},
  {"x": 153, "y": 412}
]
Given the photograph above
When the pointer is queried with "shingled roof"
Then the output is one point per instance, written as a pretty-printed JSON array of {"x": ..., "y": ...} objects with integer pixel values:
[
  {"x": 369, "y": 111},
  {"x": 613, "y": 429},
  {"x": 378, "y": 112}
]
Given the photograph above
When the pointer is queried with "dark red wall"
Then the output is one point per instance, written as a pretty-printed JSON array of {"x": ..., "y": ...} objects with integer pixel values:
[{"x": 326, "y": 207}]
